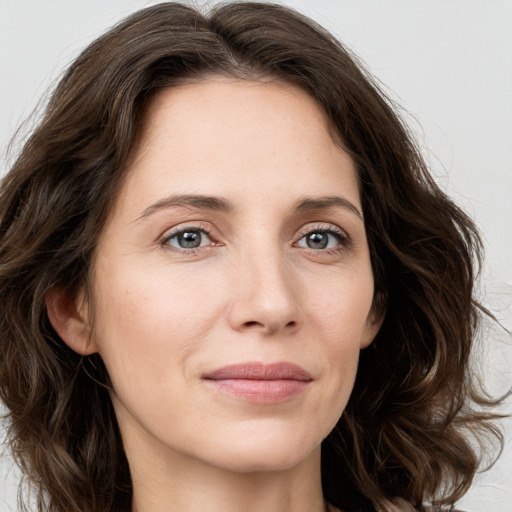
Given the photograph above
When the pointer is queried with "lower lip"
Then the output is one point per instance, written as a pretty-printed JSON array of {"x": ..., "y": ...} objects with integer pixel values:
[{"x": 260, "y": 391}]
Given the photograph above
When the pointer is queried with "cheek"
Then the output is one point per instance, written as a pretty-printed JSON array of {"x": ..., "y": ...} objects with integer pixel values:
[
  {"x": 147, "y": 324},
  {"x": 341, "y": 307},
  {"x": 341, "y": 314}
]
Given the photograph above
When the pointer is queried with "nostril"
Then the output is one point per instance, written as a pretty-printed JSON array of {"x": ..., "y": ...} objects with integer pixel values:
[{"x": 252, "y": 323}]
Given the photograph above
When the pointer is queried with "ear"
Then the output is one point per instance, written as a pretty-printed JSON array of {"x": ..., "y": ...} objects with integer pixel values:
[
  {"x": 373, "y": 324},
  {"x": 69, "y": 317}
]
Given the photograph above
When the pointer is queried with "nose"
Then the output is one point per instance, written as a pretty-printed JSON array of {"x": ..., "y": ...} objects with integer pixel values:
[{"x": 266, "y": 296}]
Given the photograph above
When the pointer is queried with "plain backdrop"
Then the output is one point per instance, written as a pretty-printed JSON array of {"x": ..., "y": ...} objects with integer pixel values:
[{"x": 448, "y": 63}]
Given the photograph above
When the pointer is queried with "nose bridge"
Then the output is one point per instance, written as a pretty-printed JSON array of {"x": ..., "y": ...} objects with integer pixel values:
[{"x": 266, "y": 295}]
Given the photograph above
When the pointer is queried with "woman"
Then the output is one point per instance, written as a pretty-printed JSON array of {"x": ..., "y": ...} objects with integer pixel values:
[{"x": 229, "y": 282}]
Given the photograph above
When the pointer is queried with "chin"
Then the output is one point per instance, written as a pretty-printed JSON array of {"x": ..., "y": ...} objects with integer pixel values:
[{"x": 265, "y": 456}]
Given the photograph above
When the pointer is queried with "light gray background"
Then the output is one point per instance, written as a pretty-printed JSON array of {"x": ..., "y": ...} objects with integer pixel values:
[{"x": 447, "y": 62}]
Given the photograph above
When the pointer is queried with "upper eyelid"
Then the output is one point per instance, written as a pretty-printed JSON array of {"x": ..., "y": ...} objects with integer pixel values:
[
  {"x": 323, "y": 227},
  {"x": 344, "y": 240},
  {"x": 212, "y": 232},
  {"x": 180, "y": 228}
]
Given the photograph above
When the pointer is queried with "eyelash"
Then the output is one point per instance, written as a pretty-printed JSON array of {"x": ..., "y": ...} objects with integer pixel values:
[
  {"x": 202, "y": 228},
  {"x": 340, "y": 235}
]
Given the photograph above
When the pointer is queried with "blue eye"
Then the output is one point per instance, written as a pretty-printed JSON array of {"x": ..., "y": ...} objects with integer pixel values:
[
  {"x": 188, "y": 239},
  {"x": 321, "y": 239}
]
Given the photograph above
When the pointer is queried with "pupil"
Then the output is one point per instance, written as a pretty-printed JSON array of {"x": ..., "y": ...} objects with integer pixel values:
[
  {"x": 189, "y": 239},
  {"x": 317, "y": 241}
]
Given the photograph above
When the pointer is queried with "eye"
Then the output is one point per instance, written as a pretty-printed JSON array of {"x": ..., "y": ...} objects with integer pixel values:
[
  {"x": 188, "y": 238},
  {"x": 323, "y": 239}
]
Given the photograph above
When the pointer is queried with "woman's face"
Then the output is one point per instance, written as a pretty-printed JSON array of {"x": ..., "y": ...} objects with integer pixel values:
[{"x": 232, "y": 283}]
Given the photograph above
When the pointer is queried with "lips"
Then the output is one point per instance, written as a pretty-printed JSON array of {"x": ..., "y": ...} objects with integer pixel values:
[
  {"x": 259, "y": 382},
  {"x": 260, "y": 371}
]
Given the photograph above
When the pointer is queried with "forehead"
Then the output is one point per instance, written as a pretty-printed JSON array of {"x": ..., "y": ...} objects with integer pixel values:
[{"x": 222, "y": 136}]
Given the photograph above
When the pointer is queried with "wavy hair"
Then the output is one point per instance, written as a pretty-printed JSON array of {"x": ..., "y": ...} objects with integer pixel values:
[{"x": 403, "y": 437}]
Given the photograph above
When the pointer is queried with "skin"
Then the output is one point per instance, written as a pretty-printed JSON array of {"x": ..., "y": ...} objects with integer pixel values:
[{"x": 252, "y": 291}]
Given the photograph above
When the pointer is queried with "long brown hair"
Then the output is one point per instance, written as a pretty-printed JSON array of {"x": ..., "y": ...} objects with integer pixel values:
[{"x": 403, "y": 435}]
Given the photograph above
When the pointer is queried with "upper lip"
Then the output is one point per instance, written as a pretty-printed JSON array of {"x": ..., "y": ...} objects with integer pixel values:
[{"x": 260, "y": 371}]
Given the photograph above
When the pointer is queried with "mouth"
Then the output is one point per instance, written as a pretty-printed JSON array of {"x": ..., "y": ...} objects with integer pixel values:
[{"x": 260, "y": 383}]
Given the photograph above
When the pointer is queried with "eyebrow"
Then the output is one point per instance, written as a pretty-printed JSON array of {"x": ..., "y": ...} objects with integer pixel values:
[
  {"x": 324, "y": 203},
  {"x": 221, "y": 204},
  {"x": 190, "y": 200}
]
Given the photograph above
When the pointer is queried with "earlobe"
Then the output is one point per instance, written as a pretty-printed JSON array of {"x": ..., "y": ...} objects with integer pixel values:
[
  {"x": 373, "y": 324},
  {"x": 69, "y": 317}
]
